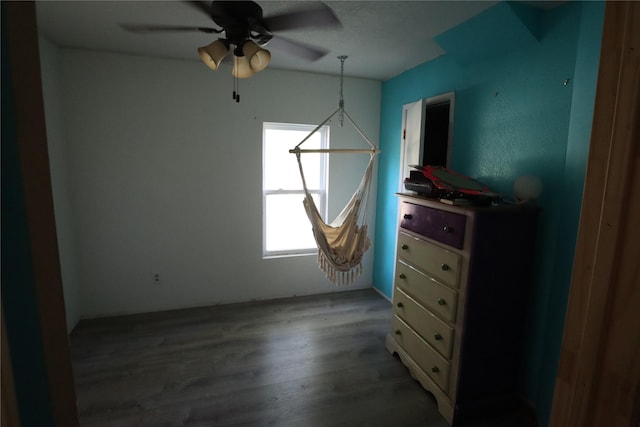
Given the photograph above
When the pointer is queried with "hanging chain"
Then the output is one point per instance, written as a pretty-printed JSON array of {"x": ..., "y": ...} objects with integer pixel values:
[
  {"x": 341, "y": 103},
  {"x": 236, "y": 83}
]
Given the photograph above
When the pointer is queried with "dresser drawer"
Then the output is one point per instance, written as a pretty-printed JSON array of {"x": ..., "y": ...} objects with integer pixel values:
[
  {"x": 445, "y": 227},
  {"x": 434, "y": 365},
  {"x": 438, "y": 298},
  {"x": 426, "y": 324},
  {"x": 438, "y": 262}
]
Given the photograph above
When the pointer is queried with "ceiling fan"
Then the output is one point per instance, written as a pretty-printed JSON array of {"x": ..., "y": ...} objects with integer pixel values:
[{"x": 244, "y": 30}]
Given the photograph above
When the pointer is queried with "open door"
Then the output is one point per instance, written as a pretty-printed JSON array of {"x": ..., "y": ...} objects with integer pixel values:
[
  {"x": 598, "y": 380},
  {"x": 412, "y": 137},
  {"x": 33, "y": 315}
]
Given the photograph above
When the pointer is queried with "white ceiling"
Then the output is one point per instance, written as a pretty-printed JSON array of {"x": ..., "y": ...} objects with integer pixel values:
[{"x": 381, "y": 38}]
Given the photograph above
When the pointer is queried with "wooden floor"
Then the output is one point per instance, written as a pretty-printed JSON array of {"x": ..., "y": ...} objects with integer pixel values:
[{"x": 307, "y": 361}]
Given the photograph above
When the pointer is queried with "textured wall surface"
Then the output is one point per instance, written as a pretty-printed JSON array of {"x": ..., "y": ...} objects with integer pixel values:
[
  {"x": 524, "y": 111},
  {"x": 164, "y": 175},
  {"x": 58, "y": 157}
]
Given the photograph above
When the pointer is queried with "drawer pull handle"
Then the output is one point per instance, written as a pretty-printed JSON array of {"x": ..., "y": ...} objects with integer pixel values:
[
  {"x": 437, "y": 337},
  {"x": 445, "y": 267},
  {"x": 400, "y": 305},
  {"x": 435, "y": 370},
  {"x": 447, "y": 229},
  {"x": 402, "y": 276},
  {"x": 404, "y": 247},
  {"x": 398, "y": 332},
  {"x": 407, "y": 216},
  {"x": 441, "y": 301}
]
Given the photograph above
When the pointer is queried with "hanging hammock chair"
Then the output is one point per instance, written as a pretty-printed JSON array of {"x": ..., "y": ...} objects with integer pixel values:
[{"x": 343, "y": 242}]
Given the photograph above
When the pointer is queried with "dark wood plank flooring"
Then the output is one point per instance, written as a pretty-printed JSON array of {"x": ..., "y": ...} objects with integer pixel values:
[{"x": 305, "y": 361}]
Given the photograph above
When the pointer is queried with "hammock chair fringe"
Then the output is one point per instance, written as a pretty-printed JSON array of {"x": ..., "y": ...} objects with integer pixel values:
[{"x": 336, "y": 276}]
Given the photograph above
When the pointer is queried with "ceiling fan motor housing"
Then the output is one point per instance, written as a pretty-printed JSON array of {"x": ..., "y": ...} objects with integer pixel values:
[{"x": 242, "y": 21}]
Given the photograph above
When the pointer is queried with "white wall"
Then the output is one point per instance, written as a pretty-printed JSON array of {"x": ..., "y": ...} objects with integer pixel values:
[
  {"x": 165, "y": 176},
  {"x": 56, "y": 141}
]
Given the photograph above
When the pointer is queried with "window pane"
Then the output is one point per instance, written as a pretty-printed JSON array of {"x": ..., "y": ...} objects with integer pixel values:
[
  {"x": 287, "y": 230},
  {"x": 287, "y": 225},
  {"x": 281, "y": 167}
]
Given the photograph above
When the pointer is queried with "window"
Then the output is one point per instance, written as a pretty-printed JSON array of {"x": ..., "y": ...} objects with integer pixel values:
[{"x": 286, "y": 228}]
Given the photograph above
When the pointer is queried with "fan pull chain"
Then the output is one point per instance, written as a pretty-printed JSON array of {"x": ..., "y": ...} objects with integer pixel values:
[
  {"x": 236, "y": 88},
  {"x": 341, "y": 103}
]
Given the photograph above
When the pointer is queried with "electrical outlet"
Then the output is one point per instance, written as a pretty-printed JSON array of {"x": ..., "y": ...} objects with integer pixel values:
[{"x": 156, "y": 278}]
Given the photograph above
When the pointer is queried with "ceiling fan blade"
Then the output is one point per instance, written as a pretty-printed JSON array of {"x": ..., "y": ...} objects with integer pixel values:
[
  {"x": 166, "y": 28},
  {"x": 317, "y": 16},
  {"x": 312, "y": 53}
]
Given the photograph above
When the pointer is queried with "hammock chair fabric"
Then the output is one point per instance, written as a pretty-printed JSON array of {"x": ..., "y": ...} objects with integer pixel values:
[{"x": 343, "y": 242}]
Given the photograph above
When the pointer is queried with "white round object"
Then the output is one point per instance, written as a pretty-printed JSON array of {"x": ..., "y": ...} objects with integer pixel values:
[{"x": 527, "y": 188}]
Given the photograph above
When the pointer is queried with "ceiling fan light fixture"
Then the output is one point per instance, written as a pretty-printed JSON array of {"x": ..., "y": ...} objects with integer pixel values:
[
  {"x": 258, "y": 57},
  {"x": 241, "y": 67},
  {"x": 213, "y": 54}
]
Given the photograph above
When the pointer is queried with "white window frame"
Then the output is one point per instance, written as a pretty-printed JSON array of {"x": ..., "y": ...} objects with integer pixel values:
[{"x": 321, "y": 192}]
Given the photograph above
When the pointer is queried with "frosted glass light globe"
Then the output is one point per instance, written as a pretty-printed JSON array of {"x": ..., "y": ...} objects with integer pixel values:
[{"x": 527, "y": 188}]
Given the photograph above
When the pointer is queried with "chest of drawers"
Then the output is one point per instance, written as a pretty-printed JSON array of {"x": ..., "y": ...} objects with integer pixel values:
[{"x": 461, "y": 287}]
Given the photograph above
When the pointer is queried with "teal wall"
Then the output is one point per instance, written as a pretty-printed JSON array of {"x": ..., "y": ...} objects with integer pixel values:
[{"x": 524, "y": 105}]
